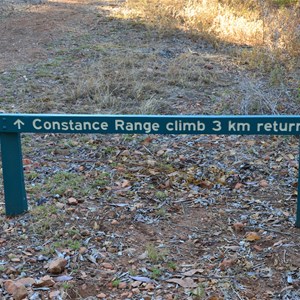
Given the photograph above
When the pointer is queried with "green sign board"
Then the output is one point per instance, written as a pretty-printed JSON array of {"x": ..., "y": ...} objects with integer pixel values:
[
  {"x": 127, "y": 124},
  {"x": 11, "y": 125}
]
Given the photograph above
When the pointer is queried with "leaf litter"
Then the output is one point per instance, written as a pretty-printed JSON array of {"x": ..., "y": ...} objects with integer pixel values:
[{"x": 181, "y": 224}]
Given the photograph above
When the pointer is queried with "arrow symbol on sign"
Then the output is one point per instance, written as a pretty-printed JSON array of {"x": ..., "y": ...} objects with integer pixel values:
[{"x": 19, "y": 123}]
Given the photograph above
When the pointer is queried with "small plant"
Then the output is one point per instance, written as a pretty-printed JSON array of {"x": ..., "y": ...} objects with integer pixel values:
[
  {"x": 73, "y": 231},
  {"x": 154, "y": 254},
  {"x": 172, "y": 265},
  {"x": 276, "y": 76},
  {"x": 101, "y": 180},
  {"x": 161, "y": 212},
  {"x": 42, "y": 218},
  {"x": 32, "y": 175},
  {"x": 161, "y": 195},
  {"x": 62, "y": 181},
  {"x": 132, "y": 272},
  {"x": 70, "y": 244},
  {"x": 66, "y": 286},
  {"x": 155, "y": 273},
  {"x": 115, "y": 283},
  {"x": 284, "y": 3},
  {"x": 198, "y": 292},
  {"x": 74, "y": 245},
  {"x": 43, "y": 211}
]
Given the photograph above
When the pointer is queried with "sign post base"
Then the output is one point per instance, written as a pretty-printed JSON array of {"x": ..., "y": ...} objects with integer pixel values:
[{"x": 13, "y": 176}]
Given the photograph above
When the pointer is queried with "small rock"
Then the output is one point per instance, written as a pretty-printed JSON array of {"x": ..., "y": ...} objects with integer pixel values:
[
  {"x": 107, "y": 266},
  {"x": 85, "y": 232},
  {"x": 11, "y": 270},
  {"x": 54, "y": 294},
  {"x": 45, "y": 281},
  {"x": 82, "y": 250},
  {"x": 59, "y": 205},
  {"x": 72, "y": 201},
  {"x": 149, "y": 287},
  {"x": 151, "y": 162},
  {"x": 101, "y": 296},
  {"x": 238, "y": 227},
  {"x": 263, "y": 183},
  {"x": 27, "y": 161},
  {"x": 136, "y": 291},
  {"x": 136, "y": 284},
  {"x": 208, "y": 66},
  {"x": 57, "y": 266},
  {"x": 122, "y": 285},
  {"x": 125, "y": 153},
  {"x": 70, "y": 209},
  {"x": 238, "y": 186},
  {"x": 15, "y": 259},
  {"x": 26, "y": 281},
  {"x": 20, "y": 293},
  {"x": 257, "y": 248},
  {"x": 160, "y": 152},
  {"x": 126, "y": 295},
  {"x": 9, "y": 286},
  {"x": 143, "y": 255},
  {"x": 114, "y": 222}
]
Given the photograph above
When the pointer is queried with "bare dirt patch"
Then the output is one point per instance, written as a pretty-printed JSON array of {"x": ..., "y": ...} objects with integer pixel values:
[{"x": 26, "y": 33}]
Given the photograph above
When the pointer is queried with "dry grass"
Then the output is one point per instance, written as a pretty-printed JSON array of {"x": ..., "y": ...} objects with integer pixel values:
[
  {"x": 118, "y": 84},
  {"x": 125, "y": 65},
  {"x": 272, "y": 24}
]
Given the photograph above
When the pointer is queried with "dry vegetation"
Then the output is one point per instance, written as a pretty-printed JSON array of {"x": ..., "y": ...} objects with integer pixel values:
[
  {"x": 200, "y": 57},
  {"x": 272, "y": 24}
]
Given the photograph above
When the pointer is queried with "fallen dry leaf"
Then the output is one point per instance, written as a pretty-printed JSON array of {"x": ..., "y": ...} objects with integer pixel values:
[
  {"x": 252, "y": 236},
  {"x": 226, "y": 264},
  {"x": 192, "y": 272},
  {"x": 185, "y": 283},
  {"x": 125, "y": 183}
]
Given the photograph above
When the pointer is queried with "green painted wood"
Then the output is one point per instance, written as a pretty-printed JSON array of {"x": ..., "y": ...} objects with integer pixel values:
[
  {"x": 13, "y": 176},
  {"x": 129, "y": 124},
  {"x": 298, "y": 195}
]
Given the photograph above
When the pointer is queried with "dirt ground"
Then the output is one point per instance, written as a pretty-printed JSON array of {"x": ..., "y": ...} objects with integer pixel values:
[
  {"x": 142, "y": 217},
  {"x": 27, "y": 29}
]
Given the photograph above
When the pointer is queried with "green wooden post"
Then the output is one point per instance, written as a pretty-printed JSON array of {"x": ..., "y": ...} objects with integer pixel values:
[
  {"x": 298, "y": 196},
  {"x": 13, "y": 176}
]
